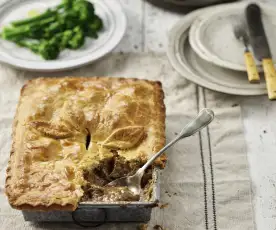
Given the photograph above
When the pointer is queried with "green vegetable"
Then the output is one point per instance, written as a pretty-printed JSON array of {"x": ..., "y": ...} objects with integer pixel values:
[
  {"x": 66, "y": 4},
  {"x": 49, "y": 50},
  {"x": 58, "y": 28},
  {"x": 84, "y": 9},
  {"x": 77, "y": 39},
  {"x": 47, "y": 14},
  {"x": 31, "y": 30},
  {"x": 97, "y": 23},
  {"x": 66, "y": 36}
]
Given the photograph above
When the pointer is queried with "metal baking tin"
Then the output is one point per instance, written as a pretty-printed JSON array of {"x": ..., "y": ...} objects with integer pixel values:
[{"x": 103, "y": 212}]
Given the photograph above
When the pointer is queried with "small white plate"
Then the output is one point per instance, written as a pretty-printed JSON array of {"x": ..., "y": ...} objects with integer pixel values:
[
  {"x": 205, "y": 74},
  {"x": 114, "y": 20},
  {"x": 212, "y": 37}
]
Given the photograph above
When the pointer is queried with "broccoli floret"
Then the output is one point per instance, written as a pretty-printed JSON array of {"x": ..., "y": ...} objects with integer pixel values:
[
  {"x": 93, "y": 27},
  {"x": 69, "y": 19},
  {"x": 84, "y": 9},
  {"x": 96, "y": 24},
  {"x": 77, "y": 40},
  {"x": 66, "y": 4},
  {"x": 49, "y": 50},
  {"x": 65, "y": 38}
]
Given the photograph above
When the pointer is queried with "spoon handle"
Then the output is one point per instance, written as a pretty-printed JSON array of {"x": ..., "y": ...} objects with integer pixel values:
[{"x": 204, "y": 118}]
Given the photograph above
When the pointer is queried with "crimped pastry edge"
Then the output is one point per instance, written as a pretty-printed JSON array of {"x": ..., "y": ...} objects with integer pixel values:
[{"x": 160, "y": 162}]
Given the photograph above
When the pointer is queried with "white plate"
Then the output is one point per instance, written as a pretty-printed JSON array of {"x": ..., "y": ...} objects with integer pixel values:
[
  {"x": 192, "y": 3},
  {"x": 212, "y": 37},
  {"x": 197, "y": 70},
  {"x": 114, "y": 21}
]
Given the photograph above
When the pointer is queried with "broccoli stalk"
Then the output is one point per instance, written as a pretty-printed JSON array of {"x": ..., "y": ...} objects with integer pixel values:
[
  {"x": 47, "y": 14},
  {"x": 66, "y": 4},
  {"x": 46, "y": 49},
  {"x": 32, "y": 30}
]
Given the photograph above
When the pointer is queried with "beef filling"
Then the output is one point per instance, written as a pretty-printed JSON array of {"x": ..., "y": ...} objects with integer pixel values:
[{"x": 112, "y": 169}]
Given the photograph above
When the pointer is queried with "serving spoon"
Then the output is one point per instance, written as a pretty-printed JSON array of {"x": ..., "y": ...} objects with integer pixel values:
[{"x": 133, "y": 183}]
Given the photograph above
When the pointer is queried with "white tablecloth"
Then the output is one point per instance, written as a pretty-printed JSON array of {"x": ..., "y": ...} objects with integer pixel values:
[{"x": 206, "y": 182}]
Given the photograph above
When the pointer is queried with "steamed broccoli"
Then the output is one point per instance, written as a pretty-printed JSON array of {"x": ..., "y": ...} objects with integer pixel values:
[
  {"x": 58, "y": 28},
  {"x": 50, "y": 49}
]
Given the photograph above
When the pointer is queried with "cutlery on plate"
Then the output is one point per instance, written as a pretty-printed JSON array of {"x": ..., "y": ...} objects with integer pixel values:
[
  {"x": 133, "y": 183},
  {"x": 260, "y": 46},
  {"x": 240, "y": 32}
]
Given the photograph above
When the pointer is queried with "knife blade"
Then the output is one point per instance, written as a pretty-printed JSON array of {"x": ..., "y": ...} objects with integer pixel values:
[
  {"x": 259, "y": 43},
  {"x": 257, "y": 34}
]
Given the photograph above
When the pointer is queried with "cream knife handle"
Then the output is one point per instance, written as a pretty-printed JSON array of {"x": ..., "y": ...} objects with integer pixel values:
[
  {"x": 252, "y": 71},
  {"x": 270, "y": 77}
]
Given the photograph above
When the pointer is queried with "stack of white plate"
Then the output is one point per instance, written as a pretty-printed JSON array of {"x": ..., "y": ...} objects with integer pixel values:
[{"x": 203, "y": 48}]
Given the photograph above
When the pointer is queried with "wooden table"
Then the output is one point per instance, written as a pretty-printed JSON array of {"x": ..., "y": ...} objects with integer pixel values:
[{"x": 148, "y": 27}]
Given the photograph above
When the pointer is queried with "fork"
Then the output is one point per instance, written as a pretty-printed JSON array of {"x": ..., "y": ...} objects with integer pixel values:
[{"x": 240, "y": 32}]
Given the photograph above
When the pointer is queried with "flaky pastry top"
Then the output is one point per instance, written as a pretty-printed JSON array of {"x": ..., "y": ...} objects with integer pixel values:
[{"x": 66, "y": 125}]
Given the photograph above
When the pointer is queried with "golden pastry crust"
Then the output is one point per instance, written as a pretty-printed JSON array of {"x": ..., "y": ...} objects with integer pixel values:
[{"x": 53, "y": 120}]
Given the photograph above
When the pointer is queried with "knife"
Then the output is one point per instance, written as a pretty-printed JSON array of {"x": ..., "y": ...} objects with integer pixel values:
[{"x": 260, "y": 46}]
